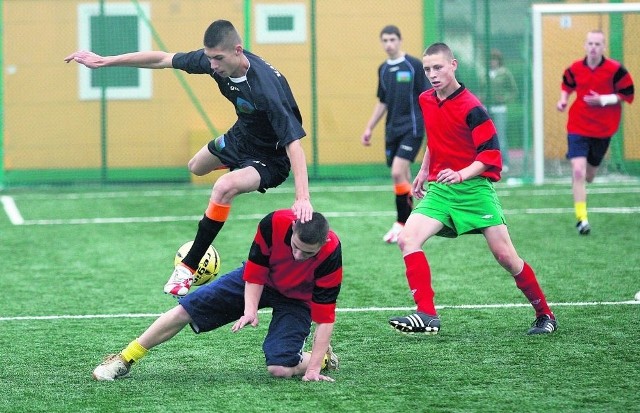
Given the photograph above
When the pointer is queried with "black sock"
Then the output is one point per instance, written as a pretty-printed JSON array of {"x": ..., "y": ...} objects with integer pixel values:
[
  {"x": 207, "y": 231},
  {"x": 404, "y": 205}
]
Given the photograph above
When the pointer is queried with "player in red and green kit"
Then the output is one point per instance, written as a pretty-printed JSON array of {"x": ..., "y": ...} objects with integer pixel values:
[{"x": 460, "y": 164}]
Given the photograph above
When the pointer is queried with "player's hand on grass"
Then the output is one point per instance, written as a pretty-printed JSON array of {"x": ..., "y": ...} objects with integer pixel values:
[{"x": 314, "y": 375}]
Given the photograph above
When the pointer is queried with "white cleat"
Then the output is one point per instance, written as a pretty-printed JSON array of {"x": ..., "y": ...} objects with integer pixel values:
[
  {"x": 113, "y": 367},
  {"x": 391, "y": 237},
  {"x": 180, "y": 281}
]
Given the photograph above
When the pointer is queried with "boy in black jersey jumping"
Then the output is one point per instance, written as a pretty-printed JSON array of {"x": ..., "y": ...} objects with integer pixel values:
[{"x": 260, "y": 148}]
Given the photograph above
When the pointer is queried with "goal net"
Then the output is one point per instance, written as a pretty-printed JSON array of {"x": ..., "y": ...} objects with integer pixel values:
[{"x": 559, "y": 32}]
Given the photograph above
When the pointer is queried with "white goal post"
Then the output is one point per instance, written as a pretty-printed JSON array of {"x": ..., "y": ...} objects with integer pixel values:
[{"x": 537, "y": 12}]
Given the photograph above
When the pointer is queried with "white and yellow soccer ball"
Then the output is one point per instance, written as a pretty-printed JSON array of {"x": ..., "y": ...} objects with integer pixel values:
[{"x": 209, "y": 265}]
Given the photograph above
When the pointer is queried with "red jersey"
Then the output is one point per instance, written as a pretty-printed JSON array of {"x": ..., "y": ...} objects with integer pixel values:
[
  {"x": 316, "y": 280},
  {"x": 459, "y": 132},
  {"x": 607, "y": 78}
]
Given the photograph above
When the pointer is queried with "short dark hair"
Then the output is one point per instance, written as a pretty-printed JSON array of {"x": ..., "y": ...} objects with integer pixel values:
[
  {"x": 391, "y": 29},
  {"x": 439, "y": 48},
  {"x": 313, "y": 232},
  {"x": 221, "y": 33}
]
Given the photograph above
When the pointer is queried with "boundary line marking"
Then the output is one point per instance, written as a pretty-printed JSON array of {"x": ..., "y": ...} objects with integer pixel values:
[
  {"x": 11, "y": 209},
  {"x": 503, "y": 190},
  {"x": 339, "y": 310},
  {"x": 335, "y": 214}
]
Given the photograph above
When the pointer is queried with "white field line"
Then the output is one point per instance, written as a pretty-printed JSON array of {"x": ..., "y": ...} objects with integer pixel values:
[
  {"x": 16, "y": 218},
  {"x": 336, "y": 214},
  {"x": 11, "y": 209},
  {"x": 502, "y": 191},
  {"x": 340, "y": 310}
]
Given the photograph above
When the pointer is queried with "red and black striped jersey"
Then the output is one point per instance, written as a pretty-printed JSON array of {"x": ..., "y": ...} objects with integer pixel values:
[
  {"x": 459, "y": 132},
  {"x": 316, "y": 280},
  {"x": 607, "y": 78}
]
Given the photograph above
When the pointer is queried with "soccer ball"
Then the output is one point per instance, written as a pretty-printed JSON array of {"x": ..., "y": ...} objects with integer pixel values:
[{"x": 209, "y": 265}]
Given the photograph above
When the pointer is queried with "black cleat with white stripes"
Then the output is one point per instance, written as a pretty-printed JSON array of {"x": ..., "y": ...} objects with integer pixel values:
[
  {"x": 543, "y": 325},
  {"x": 417, "y": 323}
]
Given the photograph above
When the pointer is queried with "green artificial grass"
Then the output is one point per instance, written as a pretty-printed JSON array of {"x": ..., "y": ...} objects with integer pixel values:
[{"x": 83, "y": 276}]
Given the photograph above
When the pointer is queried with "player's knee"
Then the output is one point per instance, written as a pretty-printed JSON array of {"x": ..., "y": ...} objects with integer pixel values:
[
  {"x": 578, "y": 175},
  {"x": 507, "y": 260},
  {"x": 279, "y": 371},
  {"x": 407, "y": 244},
  {"x": 225, "y": 188},
  {"x": 194, "y": 168}
]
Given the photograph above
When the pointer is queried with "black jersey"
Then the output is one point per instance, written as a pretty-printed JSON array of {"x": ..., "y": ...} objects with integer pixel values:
[
  {"x": 400, "y": 82},
  {"x": 268, "y": 115}
]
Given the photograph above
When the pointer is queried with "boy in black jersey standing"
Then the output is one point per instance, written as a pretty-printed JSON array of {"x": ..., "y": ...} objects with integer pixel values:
[
  {"x": 400, "y": 82},
  {"x": 259, "y": 149}
]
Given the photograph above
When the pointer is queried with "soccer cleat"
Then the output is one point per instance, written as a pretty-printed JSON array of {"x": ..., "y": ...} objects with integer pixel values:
[
  {"x": 417, "y": 323},
  {"x": 391, "y": 236},
  {"x": 583, "y": 227},
  {"x": 330, "y": 361},
  {"x": 180, "y": 281},
  {"x": 543, "y": 325},
  {"x": 113, "y": 367}
]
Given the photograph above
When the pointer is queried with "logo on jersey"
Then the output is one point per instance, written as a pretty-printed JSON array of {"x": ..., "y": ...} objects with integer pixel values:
[
  {"x": 403, "y": 76},
  {"x": 245, "y": 106},
  {"x": 275, "y": 71}
]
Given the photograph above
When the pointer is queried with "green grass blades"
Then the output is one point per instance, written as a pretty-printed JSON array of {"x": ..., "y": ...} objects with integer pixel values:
[{"x": 83, "y": 276}]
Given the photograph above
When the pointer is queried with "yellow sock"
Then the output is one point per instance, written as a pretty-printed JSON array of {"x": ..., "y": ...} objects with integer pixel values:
[
  {"x": 581, "y": 211},
  {"x": 134, "y": 352}
]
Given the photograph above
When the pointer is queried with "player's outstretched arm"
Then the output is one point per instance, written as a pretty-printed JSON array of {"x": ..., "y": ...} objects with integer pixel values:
[
  {"x": 145, "y": 59},
  {"x": 322, "y": 338}
]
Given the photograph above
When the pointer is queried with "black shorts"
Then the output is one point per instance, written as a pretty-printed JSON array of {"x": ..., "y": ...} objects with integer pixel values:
[
  {"x": 594, "y": 149},
  {"x": 406, "y": 147},
  {"x": 273, "y": 170}
]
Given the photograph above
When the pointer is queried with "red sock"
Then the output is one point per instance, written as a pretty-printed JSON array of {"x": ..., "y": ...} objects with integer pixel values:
[
  {"x": 419, "y": 278},
  {"x": 527, "y": 282}
]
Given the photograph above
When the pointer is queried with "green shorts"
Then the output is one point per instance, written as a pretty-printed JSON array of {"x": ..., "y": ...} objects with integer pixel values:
[{"x": 464, "y": 208}]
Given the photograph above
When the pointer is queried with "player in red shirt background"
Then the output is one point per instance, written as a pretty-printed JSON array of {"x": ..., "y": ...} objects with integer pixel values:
[
  {"x": 294, "y": 268},
  {"x": 459, "y": 167},
  {"x": 601, "y": 85}
]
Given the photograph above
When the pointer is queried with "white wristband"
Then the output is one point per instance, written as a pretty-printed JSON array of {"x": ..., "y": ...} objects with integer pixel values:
[{"x": 611, "y": 99}]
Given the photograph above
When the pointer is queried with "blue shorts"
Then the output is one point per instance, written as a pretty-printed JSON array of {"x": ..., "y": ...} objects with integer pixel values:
[
  {"x": 222, "y": 302},
  {"x": 594, "y": 149}
]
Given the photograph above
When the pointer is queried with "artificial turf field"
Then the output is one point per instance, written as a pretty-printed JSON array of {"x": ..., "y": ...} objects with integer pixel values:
[{"x": 84, "y": 267}]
